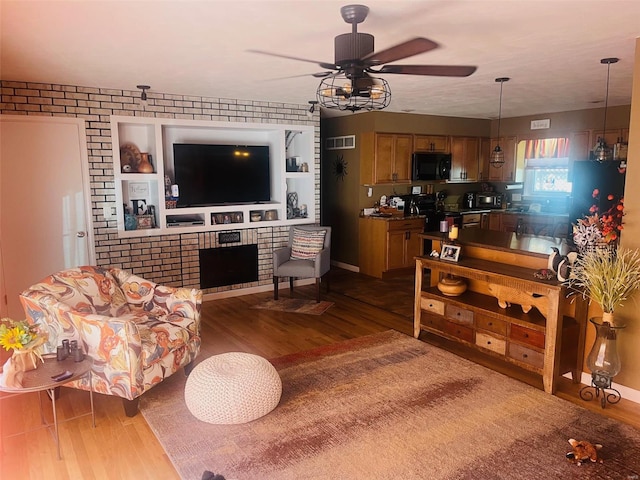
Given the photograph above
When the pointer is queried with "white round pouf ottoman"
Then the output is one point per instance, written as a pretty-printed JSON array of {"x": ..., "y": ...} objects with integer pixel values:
[{"x": 232, "y": 388}]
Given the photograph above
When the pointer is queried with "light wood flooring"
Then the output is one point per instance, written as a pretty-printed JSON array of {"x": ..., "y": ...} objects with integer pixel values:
[{"x": 122, "y": 447}]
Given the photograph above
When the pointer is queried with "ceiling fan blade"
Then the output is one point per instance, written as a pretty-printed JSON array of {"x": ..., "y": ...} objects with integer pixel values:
[
  {"x": 316, "y": 75},
  {"x": 398, "y": 52},
  {"x": 434, "y": 70},
  {"x": 329, "y": 66}
]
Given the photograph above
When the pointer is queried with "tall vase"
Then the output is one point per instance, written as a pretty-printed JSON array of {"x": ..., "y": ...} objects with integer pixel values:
[{"x": 603, "y": 361}]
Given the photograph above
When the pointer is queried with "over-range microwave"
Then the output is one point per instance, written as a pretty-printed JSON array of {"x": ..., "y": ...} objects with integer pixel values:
[{"x": 431, "y": 166}]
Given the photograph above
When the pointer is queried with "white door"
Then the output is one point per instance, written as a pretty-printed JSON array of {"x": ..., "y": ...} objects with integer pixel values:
[{"x": 44, "y": 200}]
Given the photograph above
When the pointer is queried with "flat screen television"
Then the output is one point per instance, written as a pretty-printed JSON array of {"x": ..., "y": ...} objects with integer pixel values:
[{"x": 221, "y": 174}]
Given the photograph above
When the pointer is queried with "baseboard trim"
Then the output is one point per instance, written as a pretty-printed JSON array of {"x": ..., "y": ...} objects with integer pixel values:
[
  {"x": 238, "y": 292},
  {"x": 627, "y": 393},
  {"x": 346, "y": 266}
]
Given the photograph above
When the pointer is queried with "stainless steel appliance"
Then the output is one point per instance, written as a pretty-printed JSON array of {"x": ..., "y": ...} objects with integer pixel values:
[
  {"x": 431, "y": 166},
  {"x": 488, "y": 200}
]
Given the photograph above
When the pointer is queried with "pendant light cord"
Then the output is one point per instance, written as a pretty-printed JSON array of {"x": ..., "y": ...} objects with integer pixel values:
[
  {"x": 606, "y": 103},
  {"x": 500, "y": 111}
]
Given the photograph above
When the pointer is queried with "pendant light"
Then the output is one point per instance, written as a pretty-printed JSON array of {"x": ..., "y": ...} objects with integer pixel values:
[
  {"x": 497, "y": 156},
  {"x": 143, "y": 96},
  {"x": 602, "y": 151}
]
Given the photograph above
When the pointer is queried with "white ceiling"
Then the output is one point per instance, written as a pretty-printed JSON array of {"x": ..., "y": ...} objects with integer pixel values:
[{"x": 550, "y": 49}]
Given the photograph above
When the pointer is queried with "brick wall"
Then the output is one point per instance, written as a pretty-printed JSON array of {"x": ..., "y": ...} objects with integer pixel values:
[{"x": 166, "y": 259}]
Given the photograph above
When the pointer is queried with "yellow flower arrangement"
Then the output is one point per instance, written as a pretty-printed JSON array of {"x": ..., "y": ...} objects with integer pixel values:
[{"x": 18, "y": 335}]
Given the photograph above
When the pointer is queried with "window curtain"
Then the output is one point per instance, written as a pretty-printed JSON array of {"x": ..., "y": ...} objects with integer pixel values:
[{"x": 547, "y": 148}]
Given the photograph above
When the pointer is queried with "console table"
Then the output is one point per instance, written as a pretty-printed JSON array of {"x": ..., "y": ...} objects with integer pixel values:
[{"x": 549, "y": 346}]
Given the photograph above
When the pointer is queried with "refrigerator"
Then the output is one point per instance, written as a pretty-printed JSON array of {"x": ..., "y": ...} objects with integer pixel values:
[{"x": 608, "y": 177}]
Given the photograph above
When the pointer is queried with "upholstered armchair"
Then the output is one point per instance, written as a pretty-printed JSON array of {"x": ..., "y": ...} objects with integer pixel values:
[
  {"x": 137, "y": 333},
  {"x": 307, "y": 255}
]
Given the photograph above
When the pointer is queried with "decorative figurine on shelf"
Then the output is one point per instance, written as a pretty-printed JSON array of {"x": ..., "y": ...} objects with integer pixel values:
[{"x": 145, "y": 164}]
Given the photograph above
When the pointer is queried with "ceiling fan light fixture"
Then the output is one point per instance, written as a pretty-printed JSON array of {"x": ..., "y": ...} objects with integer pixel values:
[
  {"x": 602, "y": 152},
  {"x": 497, "y": 156},
  {"x": 339, "y": 92}
]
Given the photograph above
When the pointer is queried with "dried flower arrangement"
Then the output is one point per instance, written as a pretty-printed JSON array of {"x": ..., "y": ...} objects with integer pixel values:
[{"x": 599, "y": 227}]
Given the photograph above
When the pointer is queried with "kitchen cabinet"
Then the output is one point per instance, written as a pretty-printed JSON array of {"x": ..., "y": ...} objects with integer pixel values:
[
  {"x": 579, "y": 145},
  {"x": 495, "y": 221},
  {"x": 611, "y": 136},
  {"x": 483, "y": 158},
  {"x": 385, "y": 158},
  {"x": 464, "y": 158},
  {"x": 431, "y": 143},
  {"x": 388, "y": 245},
  {"x": 505, "y": 173}
]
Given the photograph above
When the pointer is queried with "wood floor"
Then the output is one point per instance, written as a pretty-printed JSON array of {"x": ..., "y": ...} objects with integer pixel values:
[{"x": 121, "y": 447}]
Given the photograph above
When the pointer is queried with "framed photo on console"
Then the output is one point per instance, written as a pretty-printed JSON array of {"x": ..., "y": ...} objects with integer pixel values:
[{"x": 450, "y": 253}]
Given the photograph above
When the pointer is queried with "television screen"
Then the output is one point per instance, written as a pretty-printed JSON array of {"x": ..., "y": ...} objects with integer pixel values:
[{"x": 221, "y": 174}]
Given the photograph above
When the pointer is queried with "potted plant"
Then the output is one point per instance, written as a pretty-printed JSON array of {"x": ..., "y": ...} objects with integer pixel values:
[{"x": 608, "y": 278}]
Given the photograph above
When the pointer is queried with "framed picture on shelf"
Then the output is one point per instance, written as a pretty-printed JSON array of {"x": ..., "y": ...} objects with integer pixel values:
[{"x": 450, "y": 253}]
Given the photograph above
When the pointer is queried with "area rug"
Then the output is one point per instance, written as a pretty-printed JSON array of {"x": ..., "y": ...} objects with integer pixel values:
[
  {"x": 295, "y": 305},
  {"x": 388, "y": 406}
]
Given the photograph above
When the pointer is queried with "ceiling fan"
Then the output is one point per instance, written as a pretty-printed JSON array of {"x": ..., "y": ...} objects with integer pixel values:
[{"x": 348, "y": 83}]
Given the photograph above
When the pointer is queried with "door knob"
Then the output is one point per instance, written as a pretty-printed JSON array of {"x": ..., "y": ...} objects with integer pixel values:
[{"x": 80, "y": 234}]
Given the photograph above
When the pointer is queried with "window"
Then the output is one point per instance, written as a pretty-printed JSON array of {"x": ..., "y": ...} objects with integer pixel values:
[{"x": 546, "y": 167}]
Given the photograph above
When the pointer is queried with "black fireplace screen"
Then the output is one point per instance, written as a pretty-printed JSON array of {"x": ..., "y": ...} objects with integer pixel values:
[{"x": 228, "y": 266}]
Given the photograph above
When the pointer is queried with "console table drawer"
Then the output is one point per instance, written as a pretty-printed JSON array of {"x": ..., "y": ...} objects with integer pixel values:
[
  {"x": 526, "y": 355},
  {"x": 459, "y": 331},
  {"x": 459, "y": 315},
  {"x": 495, "y": 344},
  {"x": 492, "y": 324},
  {"x": 437, "y": 323},
  {"x": 431, "y": 305},
  {"x": 527, "y": 335}
]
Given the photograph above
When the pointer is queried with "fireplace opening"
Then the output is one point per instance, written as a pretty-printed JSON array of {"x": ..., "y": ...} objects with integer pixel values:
[{"x": 220, "y": 267}]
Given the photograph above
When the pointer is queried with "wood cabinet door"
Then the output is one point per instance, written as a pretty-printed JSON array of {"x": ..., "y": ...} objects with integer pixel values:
[
  {"x": 431, "y": 143},
  {"x": 495, "y": 221},
  {"x": 464, "y": 158},
  {"x": 392, "y": 162},
  {"x": 396, "y": 249},
  {"x": 383, "y": 162},
  {"x": 412, "y": 242},
  {"x": 579, "y": 145},
  {"x": 483, "y": 158},
  {"x": 403, "y": 150},
  {"x": 509, "y": 222},
  {"x": 457, "y": 158}
]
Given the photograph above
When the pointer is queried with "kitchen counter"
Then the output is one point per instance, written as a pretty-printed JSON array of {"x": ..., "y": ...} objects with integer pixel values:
[
  {"x": 391, "y": 217},
  {"x": 531, "y": 245},
  {"x": 516, "y": 211}
]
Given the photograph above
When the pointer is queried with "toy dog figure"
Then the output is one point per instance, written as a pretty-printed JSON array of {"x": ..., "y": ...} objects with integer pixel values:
[{"x": 583, "y": 451}]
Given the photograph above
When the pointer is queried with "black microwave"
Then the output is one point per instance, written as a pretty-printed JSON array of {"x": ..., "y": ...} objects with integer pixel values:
[{"x": 431, "y": 166}]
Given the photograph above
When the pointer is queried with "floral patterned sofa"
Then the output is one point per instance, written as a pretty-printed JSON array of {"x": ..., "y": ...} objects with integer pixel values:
[{"x": 138, "y": 333}]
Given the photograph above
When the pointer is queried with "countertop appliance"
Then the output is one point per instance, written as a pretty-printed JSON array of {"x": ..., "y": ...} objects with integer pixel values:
[
  {"x": 430, "y": 166},
  {"x": 469, "y": 200},
  {"x": 488, "y": 200}
]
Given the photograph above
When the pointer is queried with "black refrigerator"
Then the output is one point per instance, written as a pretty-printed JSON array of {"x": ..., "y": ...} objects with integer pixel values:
[{"x": 586, "y": 176}]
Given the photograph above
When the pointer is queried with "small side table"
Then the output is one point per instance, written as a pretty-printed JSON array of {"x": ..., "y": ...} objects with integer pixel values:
[{"x": 39, "y": 380}]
